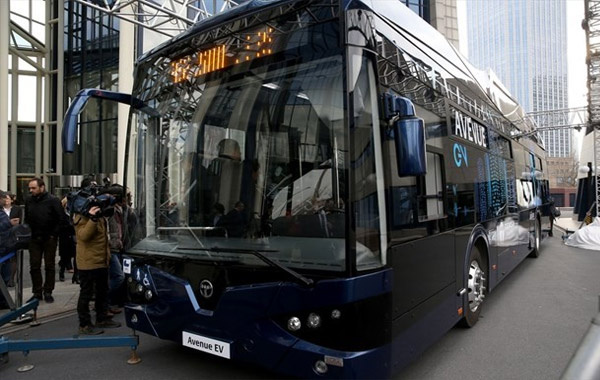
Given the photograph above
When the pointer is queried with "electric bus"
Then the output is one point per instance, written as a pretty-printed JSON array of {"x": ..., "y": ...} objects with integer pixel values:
[{"x": 321, "y": 187}]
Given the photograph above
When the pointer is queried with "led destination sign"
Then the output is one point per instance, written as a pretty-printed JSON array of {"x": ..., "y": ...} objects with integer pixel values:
[
  {"x": 468, "y": 129},
  {"x": 244, "y": 48}
]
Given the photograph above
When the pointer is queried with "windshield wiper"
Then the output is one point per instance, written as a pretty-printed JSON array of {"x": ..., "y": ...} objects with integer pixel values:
[{"x": 291, "y": 272}]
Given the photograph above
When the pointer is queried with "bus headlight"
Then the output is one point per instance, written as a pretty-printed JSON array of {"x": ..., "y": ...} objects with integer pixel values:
[
  {"x": 313, "y": 321},
  {"x": 336, "y": 314},
  {"x": 148, "y": 294},
  {"x": 139, "y": 288},
  {"x": 294, "y": 324}
]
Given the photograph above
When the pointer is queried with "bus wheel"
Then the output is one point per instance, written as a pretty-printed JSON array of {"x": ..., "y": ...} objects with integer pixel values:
[
  {"x": 475, "y": 287},
  {"x": 537, "y": 238}
]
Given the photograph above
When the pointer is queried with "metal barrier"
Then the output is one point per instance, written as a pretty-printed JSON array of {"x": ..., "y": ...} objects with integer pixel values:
[
  {"x": 17, "y": 302},
  {"x": 585, "y": 363},
  {"x": 18, "y": 314},
  {"x": 3, "y": 288}
]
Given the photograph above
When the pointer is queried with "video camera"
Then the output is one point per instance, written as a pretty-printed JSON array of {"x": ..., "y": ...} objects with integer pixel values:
[{"x": 104, "y": 197}]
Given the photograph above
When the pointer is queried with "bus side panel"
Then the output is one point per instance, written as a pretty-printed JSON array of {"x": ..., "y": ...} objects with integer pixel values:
[
  {"x": 491, "y": 227},
  {"x": 421, "y": 269},
  {"x": 419, "y": 328},
  {"x": 509, "y": 257},
  {"x": 425, "y": 301}
]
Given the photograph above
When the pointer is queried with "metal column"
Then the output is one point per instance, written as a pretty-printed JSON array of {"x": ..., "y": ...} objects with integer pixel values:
[
  {"x": 4, "y": 36},
  {"x": 591, "y": 25},
  {"x": 596, "y": 167}
]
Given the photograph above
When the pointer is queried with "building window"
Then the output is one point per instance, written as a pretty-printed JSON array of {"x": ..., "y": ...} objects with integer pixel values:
[
  {"x": 420, "y": 7},
  {"x": 92, "y": 61},
  {"x": 26, "y": 150}
]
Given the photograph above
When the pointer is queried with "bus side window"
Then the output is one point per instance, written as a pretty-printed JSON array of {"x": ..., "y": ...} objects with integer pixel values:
[
  {"x": 431, "y": 201},
  {"x": 524, "y": 193},
  {"x": 403, "y": 208}
]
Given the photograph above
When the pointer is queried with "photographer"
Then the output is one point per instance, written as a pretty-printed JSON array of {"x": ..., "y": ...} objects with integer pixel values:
[{"x": 93, "y": 257}]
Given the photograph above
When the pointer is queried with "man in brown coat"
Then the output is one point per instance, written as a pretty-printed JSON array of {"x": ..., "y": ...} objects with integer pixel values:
[{"x": 93, "y": 255}]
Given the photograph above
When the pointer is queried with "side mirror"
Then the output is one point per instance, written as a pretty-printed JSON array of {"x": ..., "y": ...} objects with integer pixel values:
[
  {"x": 409, "y": 136},
  {"x": 71, "y": 120}
]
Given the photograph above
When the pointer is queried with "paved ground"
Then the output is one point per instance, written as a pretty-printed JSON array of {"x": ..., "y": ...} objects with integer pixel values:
[
  {"x": 65, "y": 297},
  {"x": 530, "y": 324},
  {"x": 567, "y": 223}
]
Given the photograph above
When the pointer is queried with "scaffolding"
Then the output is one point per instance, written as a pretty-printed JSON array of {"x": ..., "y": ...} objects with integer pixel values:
[
  {"x": 167, "y": 17},
  {"x": 551, "y": 120},
  {"x": 591, "y": 25}
]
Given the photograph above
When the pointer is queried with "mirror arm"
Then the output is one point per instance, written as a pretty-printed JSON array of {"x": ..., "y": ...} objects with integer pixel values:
[{"x": 71, "y": 120}]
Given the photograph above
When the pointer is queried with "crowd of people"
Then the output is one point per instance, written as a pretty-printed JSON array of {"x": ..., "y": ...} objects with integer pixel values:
[{"x": 90, "y": 244}]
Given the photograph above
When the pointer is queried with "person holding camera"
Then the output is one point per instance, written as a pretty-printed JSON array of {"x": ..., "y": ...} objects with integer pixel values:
[
  {"x": 93, "y": 258},
  {"x": 45, "y": 216}
]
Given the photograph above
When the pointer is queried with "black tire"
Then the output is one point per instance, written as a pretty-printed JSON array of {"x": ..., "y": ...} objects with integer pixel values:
[
  {"x": 537, "y": 239},
  {"x": 476, "y": 287}
]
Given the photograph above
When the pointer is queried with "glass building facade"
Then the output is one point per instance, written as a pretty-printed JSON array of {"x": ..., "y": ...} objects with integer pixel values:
[
  {"x": 91, "y": 60},
  {"x": 525, "y": 43},
  {"x": 420, "y": 7},
  {"x": 31, "y": 128}
]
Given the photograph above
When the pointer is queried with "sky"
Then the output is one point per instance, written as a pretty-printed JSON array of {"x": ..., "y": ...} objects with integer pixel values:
[{"x": 576, "y": 54}]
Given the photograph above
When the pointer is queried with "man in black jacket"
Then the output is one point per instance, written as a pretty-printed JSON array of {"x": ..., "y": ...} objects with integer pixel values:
[{"x": 45, "y": 216}]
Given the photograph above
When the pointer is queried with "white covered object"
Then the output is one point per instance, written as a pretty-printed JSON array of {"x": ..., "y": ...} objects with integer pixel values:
[{"x": 587, "y": 237}]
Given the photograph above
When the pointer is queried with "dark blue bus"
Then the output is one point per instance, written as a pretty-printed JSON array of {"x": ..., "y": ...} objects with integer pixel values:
[{"x": 322, "y": 187}]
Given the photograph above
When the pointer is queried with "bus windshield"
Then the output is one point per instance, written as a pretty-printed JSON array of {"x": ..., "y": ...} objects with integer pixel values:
[{"x": 246, "y": 156}]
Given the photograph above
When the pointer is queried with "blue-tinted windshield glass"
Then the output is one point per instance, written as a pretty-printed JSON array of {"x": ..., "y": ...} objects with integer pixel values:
[{"x": 247, "y": 156}]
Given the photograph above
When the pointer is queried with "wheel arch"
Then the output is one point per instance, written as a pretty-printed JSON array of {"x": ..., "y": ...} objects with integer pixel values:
[{"x": 479, "y": 239}]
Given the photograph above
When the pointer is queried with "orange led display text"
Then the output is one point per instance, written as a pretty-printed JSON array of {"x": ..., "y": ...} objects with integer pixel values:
[{"x": 247, "y": 47}]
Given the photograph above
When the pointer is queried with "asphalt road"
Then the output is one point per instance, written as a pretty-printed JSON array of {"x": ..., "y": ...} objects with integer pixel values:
[
  {"x": 529, "y": 328},
  {"x": 530, "y": 324}
]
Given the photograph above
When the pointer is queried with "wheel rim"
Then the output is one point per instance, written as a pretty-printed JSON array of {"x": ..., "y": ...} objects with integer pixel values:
[
  {"x": 476, "y": 285},
  {"x": 537, "y": 236}
]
